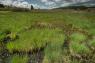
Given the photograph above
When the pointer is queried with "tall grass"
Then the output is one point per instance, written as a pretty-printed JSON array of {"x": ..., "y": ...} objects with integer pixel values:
[
  {"x": 92, "y": 43},
  {"x": 77, "y": 37},
  {"x": 36, "y": 38},
  {"x": 53, "y": 51},
  {"x": 50, "y": 39},
  {"x": 78, "y": 43},
  {"x": 19, "y": 59}
]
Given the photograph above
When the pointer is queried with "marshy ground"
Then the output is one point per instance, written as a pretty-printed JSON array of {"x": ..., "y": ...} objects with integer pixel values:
[{"x": 54, "y": 36}]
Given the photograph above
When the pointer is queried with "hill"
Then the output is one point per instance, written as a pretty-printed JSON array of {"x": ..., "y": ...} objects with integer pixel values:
[{"x": 87, "y": 4}]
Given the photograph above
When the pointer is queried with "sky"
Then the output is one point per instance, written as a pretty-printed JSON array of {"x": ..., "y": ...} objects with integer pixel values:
[{"x": 41, "y": 4}]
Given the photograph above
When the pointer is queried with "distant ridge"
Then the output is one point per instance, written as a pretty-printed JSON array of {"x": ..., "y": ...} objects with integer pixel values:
[
  {"x": 87, "y": 4},
  {"x": 80, "y": 5}
]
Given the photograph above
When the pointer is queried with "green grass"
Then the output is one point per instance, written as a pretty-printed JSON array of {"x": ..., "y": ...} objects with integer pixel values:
[
  {"x": 36, "y": 38},
  {"x": 79, "y": 48},
  {"x": 53, "y": 51},
  {"x": 52, "y": 39},
  {"x": 78, "y": 43},
  {"x": 82, "y": 20},
  {"x": 92, "y": 43},
  {"x": 19, "y": 59},
  {"x": 77, "y": 37}
]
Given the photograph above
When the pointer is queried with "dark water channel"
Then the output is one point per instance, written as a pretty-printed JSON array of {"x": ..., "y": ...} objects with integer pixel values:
[{"x": 35, "y": 57}]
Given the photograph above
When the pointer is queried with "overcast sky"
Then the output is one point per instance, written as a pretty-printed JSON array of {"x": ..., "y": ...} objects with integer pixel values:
[{"x": 40, "y": 3}]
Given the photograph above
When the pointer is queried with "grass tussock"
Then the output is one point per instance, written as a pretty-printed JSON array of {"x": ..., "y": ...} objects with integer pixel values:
[
  {"x": 92, "y": 43},
  {"x": 19, "y": 59},
  {"x": 77, "y": 37},
  {"x": 36, "y": 38},
  {"x": 78, "y": 45}
]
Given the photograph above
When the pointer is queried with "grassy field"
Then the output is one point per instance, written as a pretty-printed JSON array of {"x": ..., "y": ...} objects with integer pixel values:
[{"x": 63, "y": 36}]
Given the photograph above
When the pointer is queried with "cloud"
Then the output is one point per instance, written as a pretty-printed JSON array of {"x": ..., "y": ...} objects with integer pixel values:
[
  {"x": 65, "y": 4},
  {"x": 40, "y": 3},
  {"x": 49, "y": 3},
  {"x": 17, "y": 3},
  {"x": 36, "y": 6},
  {"x": 6, "y": 2},
  {"x": 44, "y": 0},
  {"x": 58, "y": 3},
  {"x": 58, "y": 0},
  {"x": 23, "y": 4}
]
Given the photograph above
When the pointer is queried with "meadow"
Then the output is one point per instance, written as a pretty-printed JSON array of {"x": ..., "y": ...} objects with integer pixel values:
[{"x": 48, "y": 36}]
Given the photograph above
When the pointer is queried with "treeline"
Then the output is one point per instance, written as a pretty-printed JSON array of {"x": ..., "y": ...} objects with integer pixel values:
[
  {"x": 2, "y": 6},
  {"x": 13, "y": 8}
]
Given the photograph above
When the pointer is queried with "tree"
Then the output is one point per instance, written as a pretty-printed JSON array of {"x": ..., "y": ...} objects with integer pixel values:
[
  {"x": 2, "y": 6},
  {"x": 32, "y": 7}
]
